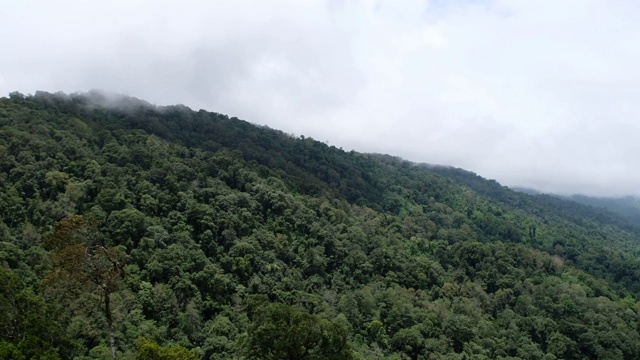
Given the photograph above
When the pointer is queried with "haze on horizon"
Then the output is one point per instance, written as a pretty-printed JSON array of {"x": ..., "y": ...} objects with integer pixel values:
[{"x": 537, "y": 94}]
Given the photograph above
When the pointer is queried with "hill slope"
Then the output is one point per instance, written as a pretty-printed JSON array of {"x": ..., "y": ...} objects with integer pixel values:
[
  {"x": 138, "y": 231},
  {"x": 628, "y": 206}
]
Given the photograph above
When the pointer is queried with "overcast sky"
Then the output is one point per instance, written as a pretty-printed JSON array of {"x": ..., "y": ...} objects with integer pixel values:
[{"x": 543, "y": 94}]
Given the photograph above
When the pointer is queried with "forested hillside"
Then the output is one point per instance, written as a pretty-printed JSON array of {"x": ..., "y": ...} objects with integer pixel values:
[
  {"x": 628, "y": 206},
  {"x": 139, "y": 232}
]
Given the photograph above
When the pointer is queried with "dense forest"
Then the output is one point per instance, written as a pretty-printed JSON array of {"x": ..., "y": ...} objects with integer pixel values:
[
  {"x": 132, "y": 231},
  {"x": 628, "y": 206}
]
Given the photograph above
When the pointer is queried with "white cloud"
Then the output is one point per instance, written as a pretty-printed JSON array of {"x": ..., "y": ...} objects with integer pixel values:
[{"x": 532, "y": 93}]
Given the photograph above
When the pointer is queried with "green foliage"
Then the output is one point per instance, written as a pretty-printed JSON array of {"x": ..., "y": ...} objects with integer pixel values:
[
  {"x": 149, "y": 350},
  {"x": 29, "y": 327},
  {"x": 120, "y": 220},
  {"x": 280, "y": 331}
]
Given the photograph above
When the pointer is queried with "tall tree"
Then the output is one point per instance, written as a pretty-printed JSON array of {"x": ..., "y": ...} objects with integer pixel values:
[{"x": 84, "y": 263}]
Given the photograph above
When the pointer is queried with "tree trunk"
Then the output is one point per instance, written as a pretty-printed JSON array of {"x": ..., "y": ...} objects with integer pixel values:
[{"x": 107, "y": 313}]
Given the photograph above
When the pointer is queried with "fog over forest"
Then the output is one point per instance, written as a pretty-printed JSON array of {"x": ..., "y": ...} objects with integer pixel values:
[{"x": 537, "y": 94}]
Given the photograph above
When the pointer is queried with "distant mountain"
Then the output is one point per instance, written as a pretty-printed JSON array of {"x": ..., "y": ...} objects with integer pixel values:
[{"x": 628, "y": 206}]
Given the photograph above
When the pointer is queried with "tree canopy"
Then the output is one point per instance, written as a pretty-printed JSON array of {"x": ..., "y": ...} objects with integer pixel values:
[{"x": 132, "y": 231}]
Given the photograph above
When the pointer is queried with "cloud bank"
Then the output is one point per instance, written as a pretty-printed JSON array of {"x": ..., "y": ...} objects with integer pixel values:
[{"x": 540, "y": 94}]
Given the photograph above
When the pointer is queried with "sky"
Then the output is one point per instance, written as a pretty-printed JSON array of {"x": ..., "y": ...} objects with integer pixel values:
[{"x": 542, "y": 94}]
